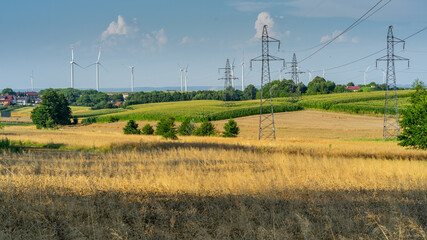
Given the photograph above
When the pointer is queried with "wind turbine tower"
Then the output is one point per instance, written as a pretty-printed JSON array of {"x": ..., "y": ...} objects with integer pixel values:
[
  {"x": 32, "y": 81},
  {"x": 72, "y": 63},
  {"x": 180, "y": 75},
  {"x": 186, "y": 77},
  {"x": 243, "y": 71},
  {"x": 132, "y": 80},
  {"x": 97, "y": 63}
]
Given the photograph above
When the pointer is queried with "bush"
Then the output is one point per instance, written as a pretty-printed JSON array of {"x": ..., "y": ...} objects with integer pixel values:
[
  {"x": 131, "y": 128},
  {"x": 112, "y": 119},
  {"x": 414, "y": 120},
  {"x": 186, "y": 128},
  {"x": 231, "y": 129},
  {"x": 89, "y": 120},
  {"x": 147, "y": 129},
  {"x": 166, "y": 128},
  {"x": 205, "y": 129},
  {"x": 54, "y": 110}
]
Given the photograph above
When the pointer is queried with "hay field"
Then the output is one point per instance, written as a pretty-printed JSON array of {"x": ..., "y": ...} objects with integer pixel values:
[{"x": 322, "y": 179}]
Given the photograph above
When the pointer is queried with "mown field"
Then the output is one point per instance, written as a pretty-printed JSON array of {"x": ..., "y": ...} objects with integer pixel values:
[{"x": 322, "y": 179}]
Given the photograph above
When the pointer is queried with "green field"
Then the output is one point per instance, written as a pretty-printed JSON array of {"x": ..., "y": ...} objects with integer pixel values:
[{"x": 356, "y": 102}]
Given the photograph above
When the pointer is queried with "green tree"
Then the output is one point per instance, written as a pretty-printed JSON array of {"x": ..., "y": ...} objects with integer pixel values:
[
  {"x": 166, "y": 128},
  {"x": 147, "y": 129},
  {"x": 414, "y": 119},
  {"x": 131, "y": 128},
  {"x": 205, "y": 129},
  {"x": 53, "y": 110},
  {"x": 186, "y": 128},
  {"x": 231, "y": 129},
  {"x": 250, "y": 92},
  {"x": 8, "y": 91}
]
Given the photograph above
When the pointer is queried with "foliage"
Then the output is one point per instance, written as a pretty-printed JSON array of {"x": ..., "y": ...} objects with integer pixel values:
[
  {"x": 186, "y": 128},
  {"x": 205, "y": 129},
  {"x": 54, "y": 110},
  {"x": 147, "y": 130},
  {"x": 231, "y": 129},
  {"x": 8, "y": 91},
  {"x": 89, "y": 120},
  {"x": 131, "y": 128},
  {"x": 112, "y": 119},
  {"x": 166, "y": 128},
  {"x": 320, "y": 86},
  {"x": 414, "y": 119}
]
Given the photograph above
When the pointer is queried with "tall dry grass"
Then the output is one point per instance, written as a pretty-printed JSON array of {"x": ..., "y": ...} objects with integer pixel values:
[{"x": 206, "y": 191}]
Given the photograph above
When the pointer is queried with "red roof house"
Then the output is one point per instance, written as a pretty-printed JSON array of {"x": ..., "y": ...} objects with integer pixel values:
[{"x": 354, "y": 88}]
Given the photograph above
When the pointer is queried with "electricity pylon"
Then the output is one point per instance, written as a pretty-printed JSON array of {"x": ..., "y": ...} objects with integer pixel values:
[
  {"x": 391, "y": 127},
  {"x": 266, "y": 112},
  {"x": 295, "y": 94},
  {"x": 228, "y": 84}
]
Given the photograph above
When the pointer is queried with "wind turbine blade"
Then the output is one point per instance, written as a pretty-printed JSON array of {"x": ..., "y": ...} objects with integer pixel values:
[
  {"x": 103, "y": 67},
  {"x": 78, "y": 65},
  {"x": 99, "y": 54},
  {"x": 90, "y": 65}
]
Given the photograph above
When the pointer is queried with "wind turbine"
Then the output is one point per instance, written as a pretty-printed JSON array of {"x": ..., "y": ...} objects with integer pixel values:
[
  {"x": 180, "y": 75},
  {"x": 32, "y": 81},
  {"x": 97, "y": 63},
  {"x": 186, "y": 77},
  {"x": 309, "y": 75},
  {"x": 243, "y": 71},
  {"x": 323, "y": 73},
  {"x": 72, "y": 63},
  {"x": 132, "y": 80},
  {"x": 364, "y": 75}
]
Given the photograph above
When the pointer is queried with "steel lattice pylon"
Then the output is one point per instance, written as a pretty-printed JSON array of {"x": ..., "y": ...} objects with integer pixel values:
[
  {"x": 228, "y": 86},
  {"x": 266, "y": 112},
  {"x": 295, "y": 93},
  {"x": 391, "y": 127}
]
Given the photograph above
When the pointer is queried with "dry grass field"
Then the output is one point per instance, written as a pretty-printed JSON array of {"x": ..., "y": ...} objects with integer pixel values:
[{"x": 326, "y": 177}]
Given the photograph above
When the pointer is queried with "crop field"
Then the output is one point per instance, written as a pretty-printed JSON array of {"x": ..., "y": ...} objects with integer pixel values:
[{"x": 322, "y": 179}]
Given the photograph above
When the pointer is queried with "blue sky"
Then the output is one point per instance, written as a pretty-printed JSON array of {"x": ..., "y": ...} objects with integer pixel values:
[{"x": 157, "y": 36}]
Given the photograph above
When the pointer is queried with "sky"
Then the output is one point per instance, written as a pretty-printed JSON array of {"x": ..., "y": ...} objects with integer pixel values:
[{"x": 157, "y": 37}]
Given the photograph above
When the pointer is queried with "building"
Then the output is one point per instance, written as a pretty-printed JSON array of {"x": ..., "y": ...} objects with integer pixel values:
[
  {"x": 7, "y": 100},
  {"x": 22, "y": 100},
  {"x": 353, "y": 88}
]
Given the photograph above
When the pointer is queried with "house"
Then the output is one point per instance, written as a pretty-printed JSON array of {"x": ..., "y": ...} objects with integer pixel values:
[
  {"x": 22, "y": 100},
  {"x": 7, "y": 100},
  {"x": 353, "y": 88},
  {"x": 32, "y": 95}
]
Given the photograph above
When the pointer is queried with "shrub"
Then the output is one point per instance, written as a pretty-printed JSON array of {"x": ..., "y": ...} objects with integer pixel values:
[
  {"x": 54, "y": 110},
  {"x": 186, "y": 128},
  {"x": 131, "y": 128},
  {"x": 414, "y": 120},
  {"x": 166, "y": 128},
  {"x": 205, "y": 129},
  {"x": 112, "y": 119},
  {"x": 89, "y": 120},
  {"x": 147, "y": 129},
  {"x": 231, "y": 129}
]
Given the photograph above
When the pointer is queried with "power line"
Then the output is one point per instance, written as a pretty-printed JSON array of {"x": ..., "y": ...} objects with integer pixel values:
[
  {"x": 357, "y": 22},
  {"x": 370, "y": 55}
]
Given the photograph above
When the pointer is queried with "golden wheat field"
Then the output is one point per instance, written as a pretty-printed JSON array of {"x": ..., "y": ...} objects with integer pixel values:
[{"x": 326, "y": 177}]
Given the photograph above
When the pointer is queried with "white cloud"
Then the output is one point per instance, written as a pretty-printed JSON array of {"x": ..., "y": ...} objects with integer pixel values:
[
  {"x": 264, "y": 18},
  {"x": 326, "y": 38},
  {"x": 186, "y": 40},
  {"x": 154, "y": 40},
  {"x": 288, "y": 33},
  {"x": 119, "y": 28}
]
